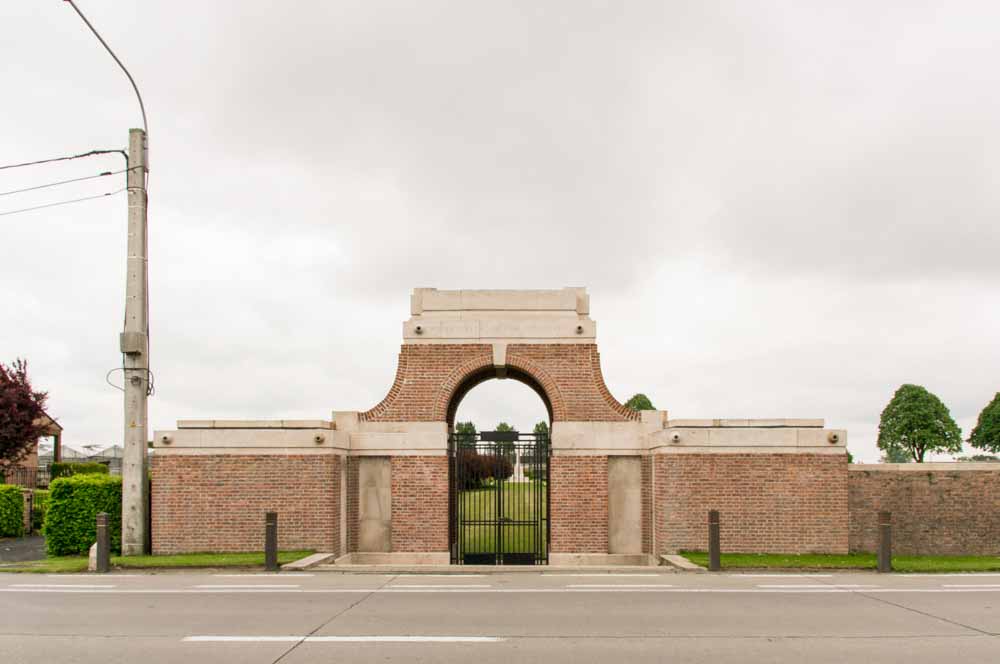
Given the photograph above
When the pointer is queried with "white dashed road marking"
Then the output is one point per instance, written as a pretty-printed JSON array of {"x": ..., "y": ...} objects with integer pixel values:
[
  {"x": 343, "y": 639},
  {"x": 839, "y": 586},
  {"x": 283, "y": 586},
  {"x": 61, "y": 585}
]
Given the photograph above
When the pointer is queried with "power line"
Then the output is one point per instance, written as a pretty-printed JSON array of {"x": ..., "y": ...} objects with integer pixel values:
[
  {"x": 56, "y": 184},
  {"x": 75, "y": 200},
  {"x": 75, "y": 156}
]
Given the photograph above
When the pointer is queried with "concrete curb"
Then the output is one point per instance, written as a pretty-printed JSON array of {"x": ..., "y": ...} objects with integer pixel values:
[
  {"x": 681, "y": 563},
  {"x": 493, "y": 569},
  {"x": 308, "y": 562}
]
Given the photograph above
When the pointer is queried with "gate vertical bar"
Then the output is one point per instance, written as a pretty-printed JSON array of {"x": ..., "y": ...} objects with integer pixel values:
[{"x": 498, "y": 487}]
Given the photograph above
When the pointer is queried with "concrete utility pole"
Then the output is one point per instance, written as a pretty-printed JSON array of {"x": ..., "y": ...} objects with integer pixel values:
[{"x": 134, "y": 342}]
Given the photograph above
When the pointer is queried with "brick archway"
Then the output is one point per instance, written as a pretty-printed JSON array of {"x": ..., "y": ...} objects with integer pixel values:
[{"x": 467, "y": 376}]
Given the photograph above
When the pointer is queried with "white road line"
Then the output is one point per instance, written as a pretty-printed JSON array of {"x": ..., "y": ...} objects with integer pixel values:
[
  {"x": 603, "y": 576},
  {"x": 267, "y": 586},
  {"x": 619, "y": 585},
  {"x": 970, "y": 585},
  {"x": 91, "y": 575},
  {"x": 968, "y": 575},
  {"x": 790, "y": 590},
  {"x": 438, "y": 576},
  {"x": 284, "y": 575},
  {"x": 839, "y": 586},
  {"x": 343, "y": 639},
  {"x": 467, "y": 585},
  {"x": 87, "y": 586},
  {"x": 781, "y": 576}
]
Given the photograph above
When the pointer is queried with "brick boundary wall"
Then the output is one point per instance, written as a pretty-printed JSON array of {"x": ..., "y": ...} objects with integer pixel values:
[
  {"x": 647, "y": 504},
  {"x": 419, "y": 503},
  {"x": 768, "y": 503},
  {"x": 351, "y": 511},
  {"x": 216, "y": 503},
  {"x": 934, "y": 511},
  {"x": 578, "y": 506}
]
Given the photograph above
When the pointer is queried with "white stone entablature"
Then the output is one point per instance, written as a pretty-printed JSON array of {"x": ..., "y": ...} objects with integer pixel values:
[
  {"x": 499, "y": 316},
  {"x": 346, "y": 434}
]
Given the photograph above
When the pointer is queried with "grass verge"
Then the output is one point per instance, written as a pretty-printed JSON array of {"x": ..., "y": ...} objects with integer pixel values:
[
  {"x": 67, "y": 564},
  {"x": 848, "y": 561}
]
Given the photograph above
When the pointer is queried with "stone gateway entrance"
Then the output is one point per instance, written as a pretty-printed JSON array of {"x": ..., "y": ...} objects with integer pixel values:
[
  {"x": 396, "y": 483},
  {"x": 499, "y": 498}
]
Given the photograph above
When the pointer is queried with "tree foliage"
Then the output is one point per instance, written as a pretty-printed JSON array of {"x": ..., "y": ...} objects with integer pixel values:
[
  {"x": 986, "y": 434},
  {"x": 503, "y": 426},
  {"x": 639, "y": 402},
  {"x": 896, "y": 455},
  {"x": 465, "y": 433},
  {"x": 22, "y": 413},
  {"x": 916, "y": 422},
  {"x": 541, "y": 428}
]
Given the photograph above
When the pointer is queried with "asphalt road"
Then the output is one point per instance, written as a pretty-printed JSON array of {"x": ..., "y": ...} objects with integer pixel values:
[{"x": 557, "y": 618}]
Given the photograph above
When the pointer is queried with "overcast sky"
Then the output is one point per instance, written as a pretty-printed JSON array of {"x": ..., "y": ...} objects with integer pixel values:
[{"x": 781, "y": 209}]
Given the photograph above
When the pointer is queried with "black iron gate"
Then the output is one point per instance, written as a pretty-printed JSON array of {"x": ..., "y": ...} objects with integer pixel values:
[{"x": 499, "y": 498}]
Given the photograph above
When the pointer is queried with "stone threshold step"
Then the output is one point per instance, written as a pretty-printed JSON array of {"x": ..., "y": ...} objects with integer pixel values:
[{"x": 493, "y": 569}]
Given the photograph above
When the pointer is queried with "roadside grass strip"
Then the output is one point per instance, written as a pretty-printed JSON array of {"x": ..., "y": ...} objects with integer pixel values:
[
  {"x": 851, "y": 561},
  {"x": 343, "y": 639},
  {"x": 78, "y": 564}
]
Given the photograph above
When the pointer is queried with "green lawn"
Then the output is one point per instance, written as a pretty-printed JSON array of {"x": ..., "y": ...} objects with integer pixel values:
[
  {"x": 521, "y": 501},
  {"x": 187, "y": 560},
  {"x": 848, "y": 561}
]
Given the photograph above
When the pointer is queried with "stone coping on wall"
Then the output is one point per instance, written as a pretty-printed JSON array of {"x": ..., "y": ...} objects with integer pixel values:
[
  {"x": 653, "y": 434},
  {"x": 736, "y": 436},
  {"x": 249, "y": 438},
  {"x": 926, "y": 467},
  {"x": 255, "y": 424},
  {"x": 773, "y": 423}
]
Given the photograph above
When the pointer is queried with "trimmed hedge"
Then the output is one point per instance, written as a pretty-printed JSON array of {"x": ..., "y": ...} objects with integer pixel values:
[
  {"x": 39, "y": 504},
  {"x": 70, "y": 522},
  {"x": 11, "y": 511},
  {"x": 70, "y": 468}
]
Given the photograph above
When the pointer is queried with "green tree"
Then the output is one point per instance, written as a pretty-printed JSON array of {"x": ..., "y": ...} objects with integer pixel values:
[
  {"x": 896, "y": 455},
  {"x": 916, "y": 422},
  {"x": 506, "y": 448},
  {"x": 542, "y": 428},
  {"x": 465, "y": 433},
  {"x": 986, "y": 434},
  {"x": 980, "y": 458},
  {"x": 640, "y": 402}
]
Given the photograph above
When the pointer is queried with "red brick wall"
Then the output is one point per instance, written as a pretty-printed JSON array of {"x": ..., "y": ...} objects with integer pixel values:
[
  {"x": 647, "y": 504},
  {"x": 578, "y": 487},
  {"x": 934, "y": 512},
  {"x": 778, "y": 503},
  {"x": 419, "y": 503},
  {"x": 217, "y": 503},
  {"x": 429, "y": 375},
  {"x": 351, "y": 511}
]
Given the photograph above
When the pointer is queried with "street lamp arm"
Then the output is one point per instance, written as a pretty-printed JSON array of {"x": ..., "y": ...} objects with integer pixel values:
[{"x": 142, "y": 107}]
